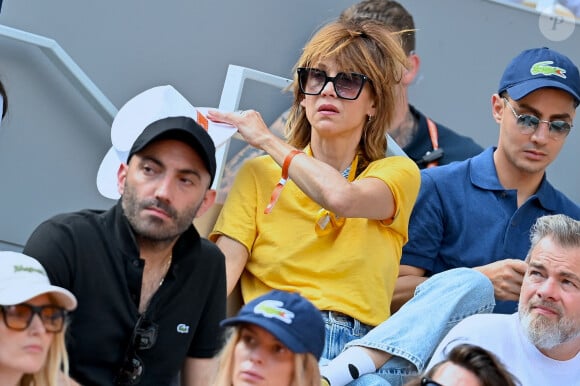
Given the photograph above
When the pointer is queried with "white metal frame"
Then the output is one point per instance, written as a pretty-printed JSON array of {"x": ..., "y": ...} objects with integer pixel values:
[
  {"x": 236, "y": 77},
  {"x": 68, "y": 67}
]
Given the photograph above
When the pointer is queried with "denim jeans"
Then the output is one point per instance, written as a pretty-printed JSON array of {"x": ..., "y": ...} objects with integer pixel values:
[
  {"x": 412, "y": 333},
  {"x": 340, "y": 329}
]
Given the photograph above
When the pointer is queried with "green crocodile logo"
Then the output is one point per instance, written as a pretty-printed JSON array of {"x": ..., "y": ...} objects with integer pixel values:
[
  {"x": 182, "y": 328},
  {"x": 546, "y": 68},
  {"x": 274, "y": 309}
]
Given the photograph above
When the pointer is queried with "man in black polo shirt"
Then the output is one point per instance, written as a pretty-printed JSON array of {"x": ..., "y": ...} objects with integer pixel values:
[{"x": 151, "y": 292}]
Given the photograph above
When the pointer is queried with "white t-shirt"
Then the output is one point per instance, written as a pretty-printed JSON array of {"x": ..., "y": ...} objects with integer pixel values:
[{"x": 503, "y": 336}]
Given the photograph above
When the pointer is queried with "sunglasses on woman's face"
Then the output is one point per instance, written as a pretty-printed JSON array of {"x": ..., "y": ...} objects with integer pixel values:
[
  {"x": 18, "y": 317},
  {"x": 346, "y": 85}
]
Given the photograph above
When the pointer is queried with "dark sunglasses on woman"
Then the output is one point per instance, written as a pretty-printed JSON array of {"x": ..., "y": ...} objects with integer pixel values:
[
  {"x": 18, "y": 317},
  {"x": 346, "y": 85}
]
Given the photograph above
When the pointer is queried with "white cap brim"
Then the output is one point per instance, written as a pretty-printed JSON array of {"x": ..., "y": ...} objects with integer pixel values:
[{"x": 63, "y": 297}]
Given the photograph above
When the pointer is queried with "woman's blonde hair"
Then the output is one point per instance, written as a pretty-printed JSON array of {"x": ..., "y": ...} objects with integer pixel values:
[
  {"x": 365, "y": 47},
  {"x": 56, "y": 362},
  {"x": 306, "y": 372}
]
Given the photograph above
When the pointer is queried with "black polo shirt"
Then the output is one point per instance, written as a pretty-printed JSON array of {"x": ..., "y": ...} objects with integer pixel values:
[
  {"x": 94, "y": 254},
  {"x": 455, "y": 147}
]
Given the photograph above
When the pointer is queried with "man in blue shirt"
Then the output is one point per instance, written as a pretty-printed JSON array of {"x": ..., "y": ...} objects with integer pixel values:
[
  {"x": 475, "y": 214},
  {"x": 478, "y": 213}
]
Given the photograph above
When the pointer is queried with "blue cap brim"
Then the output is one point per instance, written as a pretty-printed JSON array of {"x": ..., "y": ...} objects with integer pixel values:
[
  {"x": 520, "y": 90},
  {"x": 289, "y": 340}
]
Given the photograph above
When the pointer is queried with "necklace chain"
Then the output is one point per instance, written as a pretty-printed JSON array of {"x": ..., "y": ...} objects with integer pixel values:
[{"x": 166, "y": 269}]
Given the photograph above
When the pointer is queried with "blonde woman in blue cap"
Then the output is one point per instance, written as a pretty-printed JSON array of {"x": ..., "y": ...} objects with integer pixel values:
[
  {"x": 32, "y": 326},
  {"x": 277, "y": 339}
]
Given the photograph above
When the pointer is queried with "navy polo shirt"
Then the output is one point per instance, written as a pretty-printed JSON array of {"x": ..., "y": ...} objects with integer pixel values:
[
  {"x": 94, "y": 254},
  {"x": 463, "y": 217},
  {"x": 455, "y": 147}
]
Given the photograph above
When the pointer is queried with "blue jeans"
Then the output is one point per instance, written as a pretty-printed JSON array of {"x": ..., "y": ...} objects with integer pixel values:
[
  {"x": 412, "y": 333},
  {"x": 340, "y": 329}
]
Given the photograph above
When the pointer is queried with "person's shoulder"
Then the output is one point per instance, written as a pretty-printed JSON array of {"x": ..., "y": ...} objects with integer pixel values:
[
  {"x": 393, "y": 165},
  {"x": 482, "y": 327},
  {"x": 257, "y": 168},
  {"x": 260, "y": 162},
  {"x": 450, "y": 170},
  {"x": 569, "y": 207},
  {"x": 453, "y": 138},
  {"x": 560, "y": 203},
  {"x": 394, "y": 161},
  {"x": 211, "y": 248},
  {"x": 75, "y": 218},
  {"x": 456, "y": 146}
]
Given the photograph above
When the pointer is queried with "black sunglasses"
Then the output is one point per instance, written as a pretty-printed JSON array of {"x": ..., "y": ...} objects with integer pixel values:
[
  {"x": 346, "y": 85},
  {"x": 18, "y": 317},
  {"x": 143, "y": 338},
  {"x": 429, "y": 382}
]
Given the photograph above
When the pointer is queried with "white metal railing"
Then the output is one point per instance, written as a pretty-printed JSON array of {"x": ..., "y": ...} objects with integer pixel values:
[{"x": 68, "y": 67}]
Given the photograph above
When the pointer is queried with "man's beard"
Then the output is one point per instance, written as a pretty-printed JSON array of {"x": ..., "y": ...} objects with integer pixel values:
[
  {"x": 151, "y": 228},
  {"x": 544, "y": 332}
]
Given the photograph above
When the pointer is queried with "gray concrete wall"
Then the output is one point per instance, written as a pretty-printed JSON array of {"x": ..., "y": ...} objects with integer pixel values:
[{"x": 53, "y": 140}]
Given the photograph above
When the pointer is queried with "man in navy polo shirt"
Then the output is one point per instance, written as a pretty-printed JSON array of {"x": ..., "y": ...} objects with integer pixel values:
[
  {"x": 474, "y": 214},
  {"x": 151, "y": 292}
]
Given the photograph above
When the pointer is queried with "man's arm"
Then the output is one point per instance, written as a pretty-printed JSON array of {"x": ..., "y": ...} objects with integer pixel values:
[
  {"x": 236, "y": 257},
  {"x": 506, "y": 276},
  {"x": 199, "y": 371},
  {"x": 409, "y": 278},
  {"x": 52, "y": 245}
]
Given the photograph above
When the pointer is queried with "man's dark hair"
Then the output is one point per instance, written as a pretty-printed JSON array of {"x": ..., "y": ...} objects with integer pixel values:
[
  {"x": 481, "y": 362},
  {"x": 392, "y": 14}
]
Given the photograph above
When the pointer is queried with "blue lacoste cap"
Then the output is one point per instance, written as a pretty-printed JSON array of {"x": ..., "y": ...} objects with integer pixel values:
[
  {"x": 538, "y": 68},
  {"x": 291, "y": 318}
]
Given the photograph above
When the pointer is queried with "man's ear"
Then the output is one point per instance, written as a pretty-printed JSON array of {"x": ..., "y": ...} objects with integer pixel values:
[
  {"x": 497, "y": 106},
  {"x": 208, "y": 201},
  {"x": 121, "y": 177},
  {"x": 413, "y": 66}
]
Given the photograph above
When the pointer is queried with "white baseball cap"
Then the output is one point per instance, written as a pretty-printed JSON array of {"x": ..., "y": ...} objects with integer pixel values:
[
  {"x": 23, "y": 278},
  {"x": 140, "y": 112}
]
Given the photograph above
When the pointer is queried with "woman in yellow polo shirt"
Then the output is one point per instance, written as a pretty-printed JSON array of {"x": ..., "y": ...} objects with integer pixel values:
[{"x": 325, "y": 213}]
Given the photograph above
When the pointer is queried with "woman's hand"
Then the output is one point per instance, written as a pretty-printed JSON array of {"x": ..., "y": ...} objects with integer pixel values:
[{"x": 249, "y": 123}]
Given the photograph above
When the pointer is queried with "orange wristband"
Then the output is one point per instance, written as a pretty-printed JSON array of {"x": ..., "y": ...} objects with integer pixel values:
[{"x": 280, "y": 185}]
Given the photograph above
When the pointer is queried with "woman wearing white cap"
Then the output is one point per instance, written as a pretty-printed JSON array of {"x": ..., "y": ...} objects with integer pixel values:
[
  {"x": 277, "y": 339},
  {"x": 32, "y": 326}
]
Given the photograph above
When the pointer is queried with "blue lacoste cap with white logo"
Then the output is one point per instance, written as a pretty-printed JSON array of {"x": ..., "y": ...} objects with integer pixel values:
[
  {"x": 539, "y": 68},
  {"x": 291, "y": 318}
]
